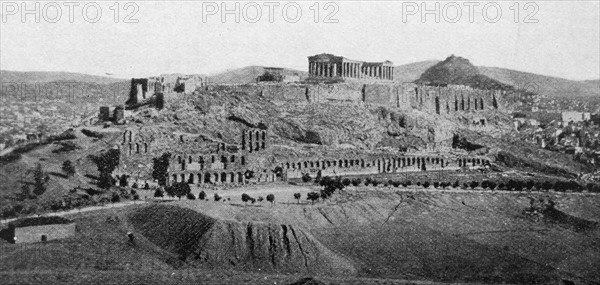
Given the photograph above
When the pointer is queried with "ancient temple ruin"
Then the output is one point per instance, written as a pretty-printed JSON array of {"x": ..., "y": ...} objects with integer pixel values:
[{"x": 329, "y": 66}]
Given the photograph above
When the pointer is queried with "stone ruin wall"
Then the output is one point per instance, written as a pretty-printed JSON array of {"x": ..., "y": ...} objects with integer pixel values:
[{"x": 429, "y": 99}]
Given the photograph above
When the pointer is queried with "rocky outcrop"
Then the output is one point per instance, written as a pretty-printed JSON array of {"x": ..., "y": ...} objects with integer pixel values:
[{"x": 202, "y": 241}]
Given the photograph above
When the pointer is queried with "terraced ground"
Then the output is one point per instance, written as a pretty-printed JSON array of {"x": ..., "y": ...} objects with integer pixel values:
[{"x": 361, "y": 236}]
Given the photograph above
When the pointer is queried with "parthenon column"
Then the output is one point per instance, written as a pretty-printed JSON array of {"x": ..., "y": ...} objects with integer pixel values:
[{"x": 334, "y": 69}]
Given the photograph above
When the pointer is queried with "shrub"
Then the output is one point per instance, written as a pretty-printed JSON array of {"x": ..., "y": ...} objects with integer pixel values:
[
  {"x": 346, "y": 182},
  {"x": 159, "y": 193},
  {"x": 492, "y": 185},
  {"x": 408, "y": 183},
  {"x": 146, "y": 186},
  {"x": 306, "y": 178},
  {"x": 190, "y": 196},
  {"x": 261, "y": 198},
  {"x": 133, "y": 192},
  {"x": 135, "y": 185},
  {"x": 245, "y": 198},
  {"x": 501, "y": 186},
  {"x": 201, "y": 195},
  {"x": 546, "y": 185},
  {"x": 396, "y": 184},
  {"x": 115, "y": 198},
  {"x": 426, "y": 184},
  {"x": 356, "y": 182},
  {"x": 375, "y": 183},
  {"x": 68, "y": 168},
  {"x": 456, "y": 184},
  {"x": 313, "y": 196},
  {"x": 136, "y": 196},
  {"x": 436, "y": 184},
  {"x": 217, "y": 197},
  {"x": 419, "y": 183},
  {"x": 529, "y": 185}
]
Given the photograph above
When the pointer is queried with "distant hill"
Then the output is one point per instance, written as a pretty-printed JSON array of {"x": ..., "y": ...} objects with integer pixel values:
[
  {"x": 457, "y": 70},
  {"x": 248, "y": 74},
  {"x": 412, "y": 71},
  {"x": 552, "y": 87},
  {"x": 54, "y": 76}
]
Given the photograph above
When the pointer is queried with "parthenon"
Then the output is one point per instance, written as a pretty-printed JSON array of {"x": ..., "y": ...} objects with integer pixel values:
[{"x": 328, "y": 66}]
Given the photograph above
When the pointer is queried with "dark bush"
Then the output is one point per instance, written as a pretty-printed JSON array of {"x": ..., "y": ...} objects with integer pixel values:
[{"x": 201, "y": 195}]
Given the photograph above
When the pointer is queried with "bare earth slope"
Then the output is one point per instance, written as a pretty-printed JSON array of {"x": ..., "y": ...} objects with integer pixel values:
[{"x": 469, "y": 237}]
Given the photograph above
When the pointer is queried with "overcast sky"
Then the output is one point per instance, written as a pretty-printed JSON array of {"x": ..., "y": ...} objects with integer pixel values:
[{"x": 174, "y": 37}]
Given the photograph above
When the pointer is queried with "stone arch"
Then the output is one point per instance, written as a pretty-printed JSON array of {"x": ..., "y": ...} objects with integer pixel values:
[
  {"x": 223, "y": 177},
  {"x": 306, "y": 164},
  {"x": 462, "y": 102},
  {"x": 190, "y": 159},
  {"x": 174, "y": 178},
  {"x": 130, "y": 148},
  {"x": 182, "y": 177},
  {"x": 199, "y": 178},
  {"x": 257, "y": 133},
  {"x": 312, "y": 164},
  {"x": 318, "y": 163},
  {"x": 341, "y": 163},
  {"x": 212, "y": 159},
  {"x": 345, "y": 163},
  {"x": 287, "y": 165},
  {"x": 240, "y": 178},
  {"x": 481, "y": 104},
  {"x": 145, "y": 147},
  {"x": 437, "y": 105},
  {"x": 190, "y": 179},
  {"x": 264, "y": 135},
  {"x": 476, "y": 101},
  {"x": 216, "y": 177},
  {"x": 257, "y": 148},
  {"x": 243, "y": 160},
  {"x": 328, "y": 163},
  {"x": 299, "y": 165},
  {"x": 362, "y": 163},
  {"x": 232, "y": 177},
  {"x": 206, "y": 177}
]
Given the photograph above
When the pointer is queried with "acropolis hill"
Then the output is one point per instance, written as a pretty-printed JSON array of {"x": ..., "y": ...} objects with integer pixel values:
[{"x": 350, "y": 115}]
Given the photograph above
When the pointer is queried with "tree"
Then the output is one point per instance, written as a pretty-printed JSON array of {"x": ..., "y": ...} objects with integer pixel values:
[
  {"x": 106, "y": 163},
  {"x": 492, "y": 185},
  {"x": 306, "y": 178},
  {"x": 146, "y": 186},
  {"x": 356, "y": 182},
  {"x": 312, "y": 196},
  {"x": 485, "y": 184},
  {"x": 123, "y": 180},
  {"x": 474, "y": 184},
  {"x": 396, "y": 184},
  {"x": 297, "y": 197},
  {"x": 546, "y": 185},
  {"x": 436, "y": 184},
  {"x": 135, "y": 185},
  {"x": 190, "y": 196},
  {"x": 261, "y": 198},
  {"x": 245, "y": 198},
  {"x": 346, "y": 182},
  {"x": 217, "y": 197},
  {"x": 160, "y": 168},
  {"x": 271, "y": 198},
  {"x": 159, "y": 193},
  {"x": 182, "y": 189},
  {"x": 115, "y": 198},
  {"x": 529, "y": 185},
  {"x": 456, "y": 184},
  {"x": 201, "y": 195},
  {"x": 39, "y": 180},
  {"x": 68, "y": 168},
  {"x": 426, "y": 184}
]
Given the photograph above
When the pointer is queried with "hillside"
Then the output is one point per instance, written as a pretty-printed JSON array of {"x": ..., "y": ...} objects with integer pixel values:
[
  {"x": 364, "y": 236},
  {"x": 247, "y": 74},
  {"x": 54, "y": 76},
  {"x": 456, "y": 70},
  {"x": 412, "y": 71},
  {"x": 549, "y": 86}
]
